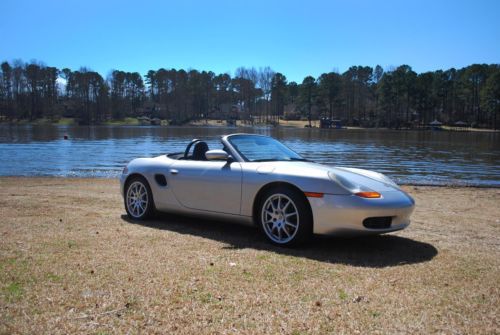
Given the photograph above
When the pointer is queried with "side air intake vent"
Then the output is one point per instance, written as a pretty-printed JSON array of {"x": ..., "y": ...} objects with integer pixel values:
[
  {"x": 378, "y": 222},
  {"x": 161, "y": 180}
]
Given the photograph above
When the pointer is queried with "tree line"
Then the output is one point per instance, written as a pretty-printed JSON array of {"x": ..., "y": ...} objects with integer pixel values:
[{"x": 361, "y": 96}]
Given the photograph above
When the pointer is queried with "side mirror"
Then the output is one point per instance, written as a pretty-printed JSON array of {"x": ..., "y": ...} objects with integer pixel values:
[{"x": 217, "y": 155}]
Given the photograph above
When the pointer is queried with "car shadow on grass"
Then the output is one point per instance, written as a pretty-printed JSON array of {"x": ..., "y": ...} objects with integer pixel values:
[{"x": 368, "y": 251}]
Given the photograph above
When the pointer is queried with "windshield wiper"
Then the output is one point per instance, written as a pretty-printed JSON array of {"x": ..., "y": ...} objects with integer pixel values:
[
  {"x": 267, "y": 160},
  {"x": 294, "y": 159},
  {"x": 300, "y": 159}
]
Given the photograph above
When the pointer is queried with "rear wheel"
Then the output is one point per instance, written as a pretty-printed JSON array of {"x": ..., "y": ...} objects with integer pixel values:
[
  {"x": 284, "y": 216},
  {"x": 138, "y": 199}
]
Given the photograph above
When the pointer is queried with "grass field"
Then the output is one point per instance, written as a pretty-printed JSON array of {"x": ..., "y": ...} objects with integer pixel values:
[{"x": 71, "y": 262}]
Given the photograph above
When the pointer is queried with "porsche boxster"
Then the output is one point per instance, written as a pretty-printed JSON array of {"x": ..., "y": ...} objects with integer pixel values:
[{"x": 255, "y": 179}]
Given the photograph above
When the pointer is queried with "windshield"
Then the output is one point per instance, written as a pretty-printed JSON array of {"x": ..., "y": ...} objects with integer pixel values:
[{"x": 262, "y": 148}]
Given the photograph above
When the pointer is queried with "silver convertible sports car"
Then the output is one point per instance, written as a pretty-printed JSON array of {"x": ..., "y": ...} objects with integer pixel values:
[{"x": 255, "y": 179}]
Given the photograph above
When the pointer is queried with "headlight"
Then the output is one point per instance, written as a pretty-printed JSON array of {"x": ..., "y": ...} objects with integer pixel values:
[
  {"x": 125, "y": 170},
  {"x": 387, "y": 180},
  {"x": 356, "y": 189}
]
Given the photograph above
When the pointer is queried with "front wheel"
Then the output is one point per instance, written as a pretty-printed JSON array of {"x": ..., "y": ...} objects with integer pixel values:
[
  {"x": 284, "y": 217},
  {"x": 138, "y": 199}
]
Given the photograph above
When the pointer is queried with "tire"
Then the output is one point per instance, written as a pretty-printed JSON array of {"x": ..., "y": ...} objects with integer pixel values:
[
  {"x": 138, "y": 199},
  {"x": 284, "y": 216}
]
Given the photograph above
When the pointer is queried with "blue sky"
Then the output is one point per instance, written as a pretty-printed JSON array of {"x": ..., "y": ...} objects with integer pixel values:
[{"x": 297, "y": 38}]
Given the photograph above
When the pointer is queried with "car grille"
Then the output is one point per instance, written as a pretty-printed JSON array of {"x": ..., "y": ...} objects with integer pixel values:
[{"x": 381, "y": 222}]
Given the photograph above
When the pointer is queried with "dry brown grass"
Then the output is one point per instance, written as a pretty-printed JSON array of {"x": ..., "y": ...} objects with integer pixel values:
[{"x": 70, "y": 262}]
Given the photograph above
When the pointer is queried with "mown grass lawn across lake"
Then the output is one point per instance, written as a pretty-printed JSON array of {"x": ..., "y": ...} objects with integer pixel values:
[{"x": 71, "y": 262}]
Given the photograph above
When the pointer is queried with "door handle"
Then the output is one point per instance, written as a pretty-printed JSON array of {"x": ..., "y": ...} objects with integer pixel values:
[{"x": 174, "y": 171}]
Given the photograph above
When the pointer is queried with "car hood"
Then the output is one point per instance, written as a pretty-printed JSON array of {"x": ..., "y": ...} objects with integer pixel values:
[{"x": 373, "y": 180}]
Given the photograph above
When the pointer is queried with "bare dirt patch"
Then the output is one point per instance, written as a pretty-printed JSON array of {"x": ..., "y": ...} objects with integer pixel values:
[{"x": 71, "y": 262}]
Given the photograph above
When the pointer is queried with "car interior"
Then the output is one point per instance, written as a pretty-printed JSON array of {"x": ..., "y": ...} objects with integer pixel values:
[
  {"x": 199, "y": 148},
  {"x": 199, "y": 151}
]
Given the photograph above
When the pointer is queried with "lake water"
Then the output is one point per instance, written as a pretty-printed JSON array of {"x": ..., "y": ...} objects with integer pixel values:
[{"x": 409, "y": 157}]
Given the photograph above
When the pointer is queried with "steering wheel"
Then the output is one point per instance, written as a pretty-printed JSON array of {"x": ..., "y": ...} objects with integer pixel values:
[{"x": 189, "y": 147}]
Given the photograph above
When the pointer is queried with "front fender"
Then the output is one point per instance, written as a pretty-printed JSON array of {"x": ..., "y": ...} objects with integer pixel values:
[{"x": 253, "y": 181}]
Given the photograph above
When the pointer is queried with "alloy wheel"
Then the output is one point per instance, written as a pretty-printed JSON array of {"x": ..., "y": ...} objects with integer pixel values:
[
  {"x": 137, "y": 199},
  {"x": 280, "y": 218}
]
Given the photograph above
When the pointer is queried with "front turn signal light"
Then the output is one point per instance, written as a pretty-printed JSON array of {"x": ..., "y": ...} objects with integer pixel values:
[{"x": 369, "y": 195}]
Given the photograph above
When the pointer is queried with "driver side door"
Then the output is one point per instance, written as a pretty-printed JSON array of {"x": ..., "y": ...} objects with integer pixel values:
[{"x": 213, "y": 186}]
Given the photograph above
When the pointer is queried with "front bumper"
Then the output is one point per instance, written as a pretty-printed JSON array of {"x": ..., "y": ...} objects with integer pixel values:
[{"x": 344, "y": 214}]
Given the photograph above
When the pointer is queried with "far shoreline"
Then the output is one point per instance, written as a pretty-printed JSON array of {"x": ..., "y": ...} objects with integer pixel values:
[{"x": 289, "y": 124}]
